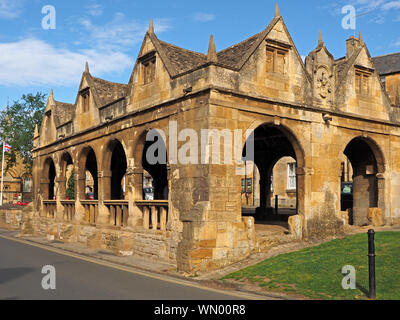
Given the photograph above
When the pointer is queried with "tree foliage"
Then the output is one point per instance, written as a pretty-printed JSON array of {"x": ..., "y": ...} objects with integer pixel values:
[
  {"x": 17, "y": 127},
  {"x": 71, "y": 186}
]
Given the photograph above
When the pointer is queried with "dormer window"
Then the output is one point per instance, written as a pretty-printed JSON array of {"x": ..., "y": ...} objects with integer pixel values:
[
  {"x": 276, "y": 60},
  {"x": 85, "y": 95},
  {"x": 148, "y": 67},
  {"x": 363, "y": 81}
]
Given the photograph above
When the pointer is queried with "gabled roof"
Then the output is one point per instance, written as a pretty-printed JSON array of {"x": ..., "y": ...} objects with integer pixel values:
[
  {"x": 182, "y": 60},
  {"x": 63, "y": 113},
  {"x": 106, "y": 92},
  {"x": 387, "y": 64},
  {"x": 232, "y": 56},
  {"x": 179, "y": 60}
]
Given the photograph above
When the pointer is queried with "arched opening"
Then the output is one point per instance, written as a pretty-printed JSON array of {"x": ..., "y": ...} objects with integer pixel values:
[
  {"x": 277, "y": 154},
  {"x": 362, "y": 192},
  {"x": 118, "y": 171},
  {"x": 88, "y": 170},
  {"x": 154, "y": 163},
  {"x": 50, "y": 171},
  {"x": 67, "y": 188}
]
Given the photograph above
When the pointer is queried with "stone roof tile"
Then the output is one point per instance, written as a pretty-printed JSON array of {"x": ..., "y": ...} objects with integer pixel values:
[
  {"x": 107, "y": 92},
  {"x": 63, "y": 113},
  {"x": 183, "y": 60},
  {"x": 387, "y": 64}
]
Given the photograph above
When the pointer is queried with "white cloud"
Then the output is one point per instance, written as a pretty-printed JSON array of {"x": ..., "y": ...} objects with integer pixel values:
[
  {"x": 33, "y": 62},
  {"x": 203, "y": 17},
  {"x": 120, "y": 33},
  {"x": 391, "y": 5},
  {"x": 10, "y": 9},
  {"x": 94, "y": 9}
]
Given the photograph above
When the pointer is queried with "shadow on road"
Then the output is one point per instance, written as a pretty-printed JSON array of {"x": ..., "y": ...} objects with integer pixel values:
[{"x": 10, "y": 274}]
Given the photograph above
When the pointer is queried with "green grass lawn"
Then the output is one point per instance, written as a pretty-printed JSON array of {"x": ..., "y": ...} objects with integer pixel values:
[{"x": 316, "y": 272}]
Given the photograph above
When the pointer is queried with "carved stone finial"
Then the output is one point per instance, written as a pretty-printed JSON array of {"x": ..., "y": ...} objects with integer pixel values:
[
  {"x": 277, "y": 13},
  {"x": 87, "y": 67},
  {"x": 320, "y": 40},
  {"x": 212, "y": 52},
  {"x": 151, "y": 26},
  {"x": 51, "y": 93},
  {"x": 361, "y": 38}
]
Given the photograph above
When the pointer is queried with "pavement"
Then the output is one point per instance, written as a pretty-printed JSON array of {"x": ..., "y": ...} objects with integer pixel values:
[
  {"x": 148, "y": 268},
  {"x": 88, "y": 274}
]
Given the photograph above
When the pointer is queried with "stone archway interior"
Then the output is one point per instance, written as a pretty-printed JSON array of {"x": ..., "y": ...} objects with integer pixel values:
[
  {"x": 157, "y": 171},
  {"x": 91, "y": 166},
  {"x": 270, "y": 145},
  {"x": 52, "y": 177},
  {"x": 365, "y": 182},
  {"x": 118, "y": 171}
]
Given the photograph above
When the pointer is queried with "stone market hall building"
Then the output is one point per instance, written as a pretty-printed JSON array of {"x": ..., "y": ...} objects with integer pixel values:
[{"x": 313, "y": 112}]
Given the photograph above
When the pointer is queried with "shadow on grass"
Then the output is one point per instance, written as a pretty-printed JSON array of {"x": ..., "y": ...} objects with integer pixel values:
[
  {"x": 358, "y": 286},
  {"x": 362, "y": 289}
]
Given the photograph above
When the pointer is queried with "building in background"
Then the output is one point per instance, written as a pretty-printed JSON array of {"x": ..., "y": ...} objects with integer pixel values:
[{"x": 17, "y": 184}]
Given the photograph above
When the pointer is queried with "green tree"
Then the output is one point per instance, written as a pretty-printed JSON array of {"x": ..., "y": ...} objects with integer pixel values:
[
  {"x": 71, "y": 186},
  {"x": 17, "y": 127}
]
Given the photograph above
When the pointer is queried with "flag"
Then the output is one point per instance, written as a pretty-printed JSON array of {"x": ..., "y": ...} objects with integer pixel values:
[{"x": 7, "y": 147}]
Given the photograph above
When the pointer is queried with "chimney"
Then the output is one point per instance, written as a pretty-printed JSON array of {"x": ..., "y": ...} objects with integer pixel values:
[{"x": 352, "y": 44}]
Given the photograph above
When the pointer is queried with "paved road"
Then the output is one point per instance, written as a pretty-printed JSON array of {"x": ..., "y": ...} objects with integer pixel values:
[{"x": 20, "y": 278}]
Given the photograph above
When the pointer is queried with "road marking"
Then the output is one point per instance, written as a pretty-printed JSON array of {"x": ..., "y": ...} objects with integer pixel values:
[{"x": 166, "y": 278}]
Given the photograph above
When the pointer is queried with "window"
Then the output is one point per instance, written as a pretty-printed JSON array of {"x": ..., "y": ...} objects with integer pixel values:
[
  {"x": 276, "y": 59},
  {"x": 26, "y": 185},
  {"x": 149, "y": 68},
  {"x": 362, "y": 82},
  {"x": 270, "y": 60},
  {"x": 85, "y": 100},
  {"x": 292, "y": 176}
]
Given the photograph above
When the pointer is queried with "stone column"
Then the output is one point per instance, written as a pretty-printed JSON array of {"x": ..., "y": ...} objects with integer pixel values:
[
  {"x": 104, "y": 193},
  {"x": 59, "y": 196},
  {"x": 304, "y": 195},
  {"x": 134, "y": 176},
  {"x": 381, "y": 196},
  {"x": 79, "y": 195}
]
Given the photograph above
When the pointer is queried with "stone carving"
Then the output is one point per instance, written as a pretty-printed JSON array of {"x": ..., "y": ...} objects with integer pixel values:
[{"x": 323, "y": 83}]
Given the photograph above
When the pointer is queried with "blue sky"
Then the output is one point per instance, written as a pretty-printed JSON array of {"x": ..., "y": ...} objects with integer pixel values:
[{"x": 109, "y": 33}]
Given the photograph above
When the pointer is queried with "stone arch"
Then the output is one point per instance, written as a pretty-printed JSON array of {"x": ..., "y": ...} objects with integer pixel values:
[
  {"x": 66, "y": 162},
  {"x": 87, "y": 162},
  {"x": 48, "y": 179},
  {"x": 273, "y": 142},
  {"x": 158, "y": 171},
  {"x": 368, "y": 184},
  {"x": 114, "y": 166}
]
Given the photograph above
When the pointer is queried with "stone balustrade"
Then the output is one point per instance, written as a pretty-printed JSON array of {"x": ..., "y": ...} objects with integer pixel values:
[
  {"x": 155, "y": 214},
  {"x": 91, "y": 210},
  {"x": 69, "y": 209},
  {"x": 118, "y": 212},
  {"x": 50, "y": 208}
]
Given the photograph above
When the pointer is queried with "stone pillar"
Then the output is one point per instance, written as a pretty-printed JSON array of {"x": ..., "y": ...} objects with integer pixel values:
[
  {"x": 304, "y": 196},
  {"x": 80, "y": 178},
  {"x": 381, "y": 196},
  {"x": 104, "y": 193},
  {"x": 62, "y": 189},
  {"x": 59, "y": 215},
  {"x": 134, "y": 176}
]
